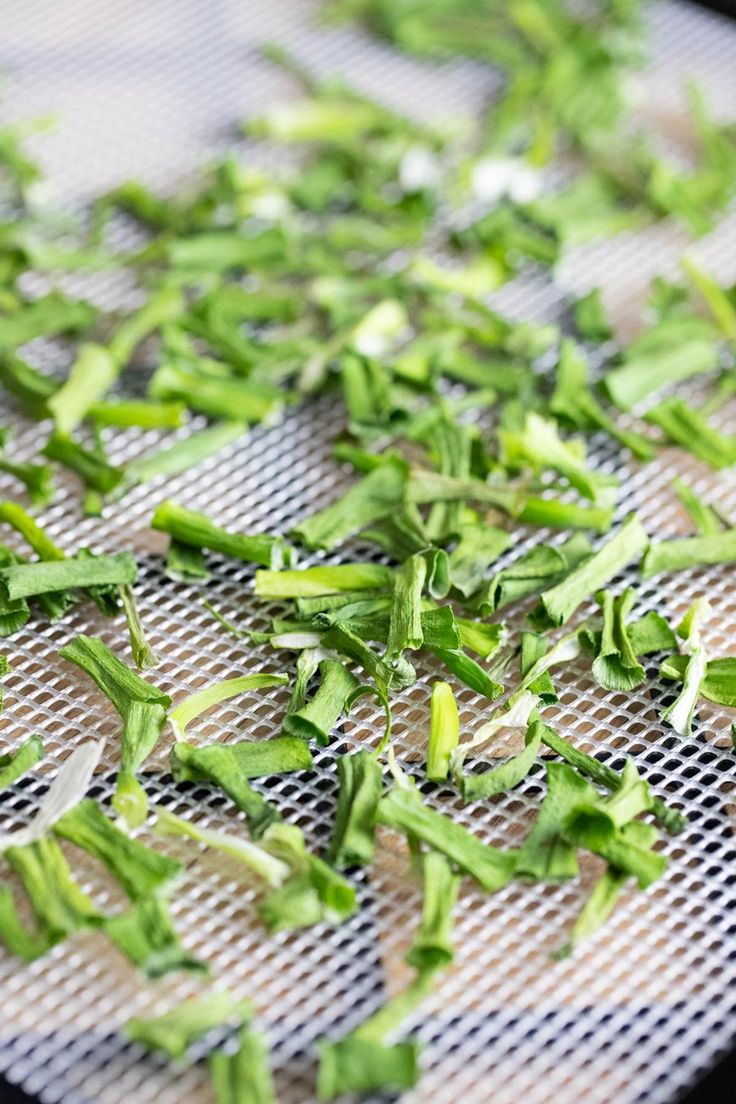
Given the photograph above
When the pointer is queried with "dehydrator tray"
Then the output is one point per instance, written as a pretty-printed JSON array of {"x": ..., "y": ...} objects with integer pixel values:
[{"x": 151, "y": 90}]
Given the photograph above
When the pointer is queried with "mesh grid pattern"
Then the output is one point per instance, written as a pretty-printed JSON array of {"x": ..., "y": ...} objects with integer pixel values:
[{"x": 152, "y": 89}]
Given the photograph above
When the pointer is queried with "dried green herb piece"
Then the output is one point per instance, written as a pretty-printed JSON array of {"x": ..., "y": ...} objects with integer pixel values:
[
  {"x": 444, "y": 731},
  {"x": 146, "y": 936},
  {"x": 403, "y": 810},
  {"x": 192, "y": 528},
  {"x": 141, "y": 706},
  {"x": 243, "y": 1076},
  {"x": 677, "y": 555},
  {"x": 558, "y": 604},
  {"x": 372, "y": 499},
  {"x": 14, "y": 764},
  {"x": 360, "y": 783},
  {"x": 185, "y": 1023},
  {"x": 316, "y": 719}
]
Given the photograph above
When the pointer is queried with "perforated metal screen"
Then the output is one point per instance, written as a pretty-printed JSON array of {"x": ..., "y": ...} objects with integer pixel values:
[{"x": 150, "y": 89}]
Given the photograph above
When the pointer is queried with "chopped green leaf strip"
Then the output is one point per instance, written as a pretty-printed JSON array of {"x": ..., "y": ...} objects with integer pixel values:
[
  {"x": 539, "y": 446},
  {"x": 432, "y": 947},
  {"x": 145, "y": 935},
  {"x": 230, "y": 766},
  {"x": 94, "y": 471},
  {"x": 357, "y": 1065},
  {"x": 509, "y": 774},
  {"x": 186, "y": 564},
  {"x": 140, "y": 870},
  {"x": 141, "y": 706},
  {"x": 704, "y": 517},
  {"x": 405, "y": 618},
  {"x": 374, "y": 498},
  {"x": 185, "y": 1023},
  {"x": 543, "y": 565},
  {"x": 316, "y": 719},
  {"x": 316, "y": 581},
  {"x": 14, "y": 764},
  {"x": 477, "y": 548},
  {"x": 677, "y": 555},
  {"x": 552, "y": 514},
  {"x": 26, "y": 580},
  {"x": 144, "y": 413},
  {"x": 254, "y": 856},
  {"x": 90, "y": 377},
  {"x": 193, "y": 706},
  {"x": 672, "y": 351},
  {"x": 444, "y": 731},
  {"x": 185, "y": 454},
  {"x": 404, "y": 811},
  {"x": 685, "y": 426},
  {"x": 386, "y": 674},
  {"x": 243, "y": 1077},
  {"x": 616, "y": 666},
  {"x": 590, "y": 317},
  {"x": 596, "y": 910},
  {"x": 360, "y": 783},
  {"x": 59, "y": 904},
  {"x": 628, "y": 543},
  {"x": 14, "y": 935},
  {"x": 189, "y": 527},
  {"x": 719, "y": 682},
  {"x": 671, "y": 819}
]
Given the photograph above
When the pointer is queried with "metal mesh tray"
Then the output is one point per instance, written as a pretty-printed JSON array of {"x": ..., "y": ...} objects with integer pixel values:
[{"x": 149, "y": 89}]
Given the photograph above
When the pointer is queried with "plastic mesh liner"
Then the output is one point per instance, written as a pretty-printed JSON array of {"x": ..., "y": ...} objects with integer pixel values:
[{"x": 152, "y": 89}]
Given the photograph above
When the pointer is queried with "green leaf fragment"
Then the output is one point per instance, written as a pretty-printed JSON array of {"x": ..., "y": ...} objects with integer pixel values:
[
  {"x": 477, "y": 548},
  {"x": 558, "y": 604},
  {"x": 616, "y": 666},
  {"x": 686, "y": 427},
  {"x": 360, "y": 784},
  {"x": 14, "y": 764},
  {"x": 185, "y": 454},
  {"x": 550, "y": 513},
  {"x": 316, "y": 719},
  {"x": 317, "y": 581},
  {"x": 543, "y": 565},
  {"x": 405, "y": 619},
  {"x": 539, "y": 446},
  {"x": 375, "y": 497},
  {"x": 590, "y": 317},
  {"x": 141, "y": 706},
  {"x": 195, "y": 704},
  {"x": 139, "y": 869},
  {"x": 596, "y": 910},
  {"x": 94, "y": 471},
  {"x": 362, "y": 1066},
  {"x": 432, "y": 947},
  {"x": 677, "y": 555},
  {"x": 59, "y": 903},
  {"x": 145, "y": 934},
  {"x": 190, "y": 527},
  {"x": 185, "y": 1023},
  {"x": 444, "y": 731},
  {"x": 509, "y": 774},
  {"x": 27, "y": 580},
  {"x": 673, "y": 350},
  {"x": 718, "y": 684},
  {"x": 254, "y": 856},
  {"x": 704, "y": 517},
  {"x": 242, "y": 1077},
  {"x": 404, "y": 811},
  {"x": 230, "y": 766},
  {"x": 90, "y": 377}
]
